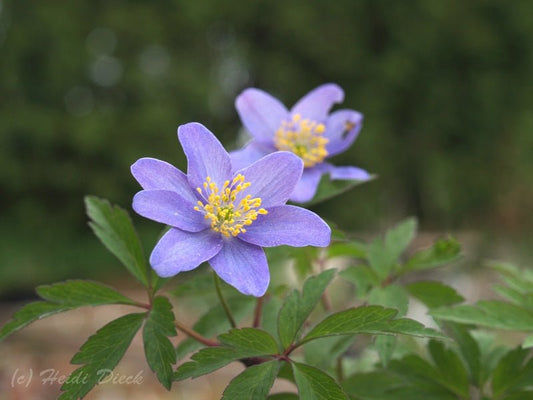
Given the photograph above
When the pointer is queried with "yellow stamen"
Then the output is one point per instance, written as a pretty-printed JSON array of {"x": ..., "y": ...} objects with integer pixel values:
[
  {"x": 226, "y": 215},
  {"x": 304, "y": 138}
]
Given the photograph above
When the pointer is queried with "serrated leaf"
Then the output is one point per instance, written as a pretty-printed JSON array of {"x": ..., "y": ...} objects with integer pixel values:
[
  {"x": 363, "y": 277},
  {"x": 391, "y": 296},
  {"x": 443, "y": 251},
  {"x": 100, "y": 354},
  {"x": 434, "y": 294},
  {"x": 514, "y": 296},
  {"x": 328, "y": 188},
  {"x": 254, "y": 383},
  {"x": 250, "y": 340},
  {"x": 383, "y": 254},
  {"x": 30, "y": 313},
  {"x": 81, "y": 293},
  {"x": 158, "y": 349},
  {"x": 215, "y": 321},
  {"x": 237, "y": 344},
  {"x": 513, "y": 372},
  {"x": 452, "y": 372},
  {"x": 296, "y": 308},
  {"x": 352, "y": 248},
  {"x": 489, "y": 313},
  {"x": 314, "y": 384},
  {"x": 113, "y": 226},
  {"x": 371, "y": 320}
]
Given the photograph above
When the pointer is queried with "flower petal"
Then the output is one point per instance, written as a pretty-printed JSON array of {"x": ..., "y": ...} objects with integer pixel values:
[
  {"x": 260, "y": 113},
  {"x": 205, "y": 155},
  {"x": 153, "y": 174},
  {"x": 306, "y": 188},
  {"x": 288, "y": 225},
  {"x": 243, "y": 266},
  {"x": 348, "y": 173},
  {"x": 179, "y": 251},
  {"x": 342, "y": 128},
  {"x": 169, "y": 208},
  {"x": 249, "y": 154},
  {"x": 273, "y": 177},
  {"x": 315, "y": 105}
]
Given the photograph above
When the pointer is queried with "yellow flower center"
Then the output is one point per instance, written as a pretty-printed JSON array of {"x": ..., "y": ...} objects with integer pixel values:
[
  {"x": 304, "y": 138},
  {"x": 228, "y": 211}
]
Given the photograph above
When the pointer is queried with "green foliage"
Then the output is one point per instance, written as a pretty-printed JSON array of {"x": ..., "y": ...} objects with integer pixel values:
[
  {"x": 370, "y": 320},
  {"x": 158, "y": 349},
  {"x": 79, "y": 293},
  {"x": 443, "y": 251},
  {"x": 253, "y": 383},
  {"x": 489, "y": 313},
  {"x": 514, "y": 372},
  {"x": 30, "y": 313},
  {"x": 297, "y": 308},
  {"x": 238, "y": 344},
  {"x": 434, "y": 294},
  {"x": 61, "y": 297},
  {"x": 313, "y": 384},
  {"x": 113, "y": 226},
  {"x": 100, "y": 354}
]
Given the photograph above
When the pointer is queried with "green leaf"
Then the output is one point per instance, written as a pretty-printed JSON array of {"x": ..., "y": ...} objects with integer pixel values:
[
  {"x": 353, "y": 248},
  {"x": 328, "y": 188},
  {"x": 469, "y": 350},
  {"x": 371, "y": 320},
  {"x": 303, "y": 261},
  {"x": 515, "y": 296},
  {"x": 313, "y": 384},
  {"x": 443, "y": 251},
  {"x": 296, "y": 308},
  {"x": 158, "y": 349},
  {"x": 269, "y": 316},
  {"x": 363, "y": 277},
  {"x": 283, "y": 396},
  {"x": 241, "y": 343},
  {"x": 385, "y": 346},
  {"x": 383, "y": 254},
  {"x": 250, "y": 340},
  {"x": 113, "y": 226},
  {"x": 100, "y": 354},
  {"x": 254, "y": 383},
  {"x": 372, "y": 385},
  {"x": 63, "y": 296},
  {"x": 30, "y": 313},
  {"x": 79, "y": 293},
  {"x": 434, "y": 294},
  {"x": 215, "y": 321},
  {"x": 513, "y": 372},
  {"x": 489, "y": 313},
  {"x": 450, "y": 367},
  {"x": 391, "y": 296}
]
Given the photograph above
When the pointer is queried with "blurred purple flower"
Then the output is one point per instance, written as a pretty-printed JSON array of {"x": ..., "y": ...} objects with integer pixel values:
[
  {"x": 307, "y": 130},
  {"x": 223, "y": 216}
]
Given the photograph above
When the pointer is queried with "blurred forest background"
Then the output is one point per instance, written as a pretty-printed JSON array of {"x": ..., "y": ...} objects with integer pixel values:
[{"x": 88, "y": 87}]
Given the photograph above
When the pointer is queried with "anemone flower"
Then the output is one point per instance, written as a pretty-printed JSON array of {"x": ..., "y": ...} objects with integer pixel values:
[
  {"x": 307, "y": 130},
  {"x": 221, "y": 215}
]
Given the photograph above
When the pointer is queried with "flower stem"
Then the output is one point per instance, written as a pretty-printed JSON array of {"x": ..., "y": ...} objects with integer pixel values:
[
  {"x": 196, "y": 336},
  {"x": 223, "y": 301},
  {"x": 257, "y": 313}
]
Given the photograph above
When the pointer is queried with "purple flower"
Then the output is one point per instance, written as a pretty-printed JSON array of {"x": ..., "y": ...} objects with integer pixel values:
[
  {"x": 307, "y": 130},
  {"x": 223, "y": 216}
]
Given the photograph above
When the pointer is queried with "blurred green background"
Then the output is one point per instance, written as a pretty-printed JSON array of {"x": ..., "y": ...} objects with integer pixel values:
[{"x": 88, "y": 87}]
